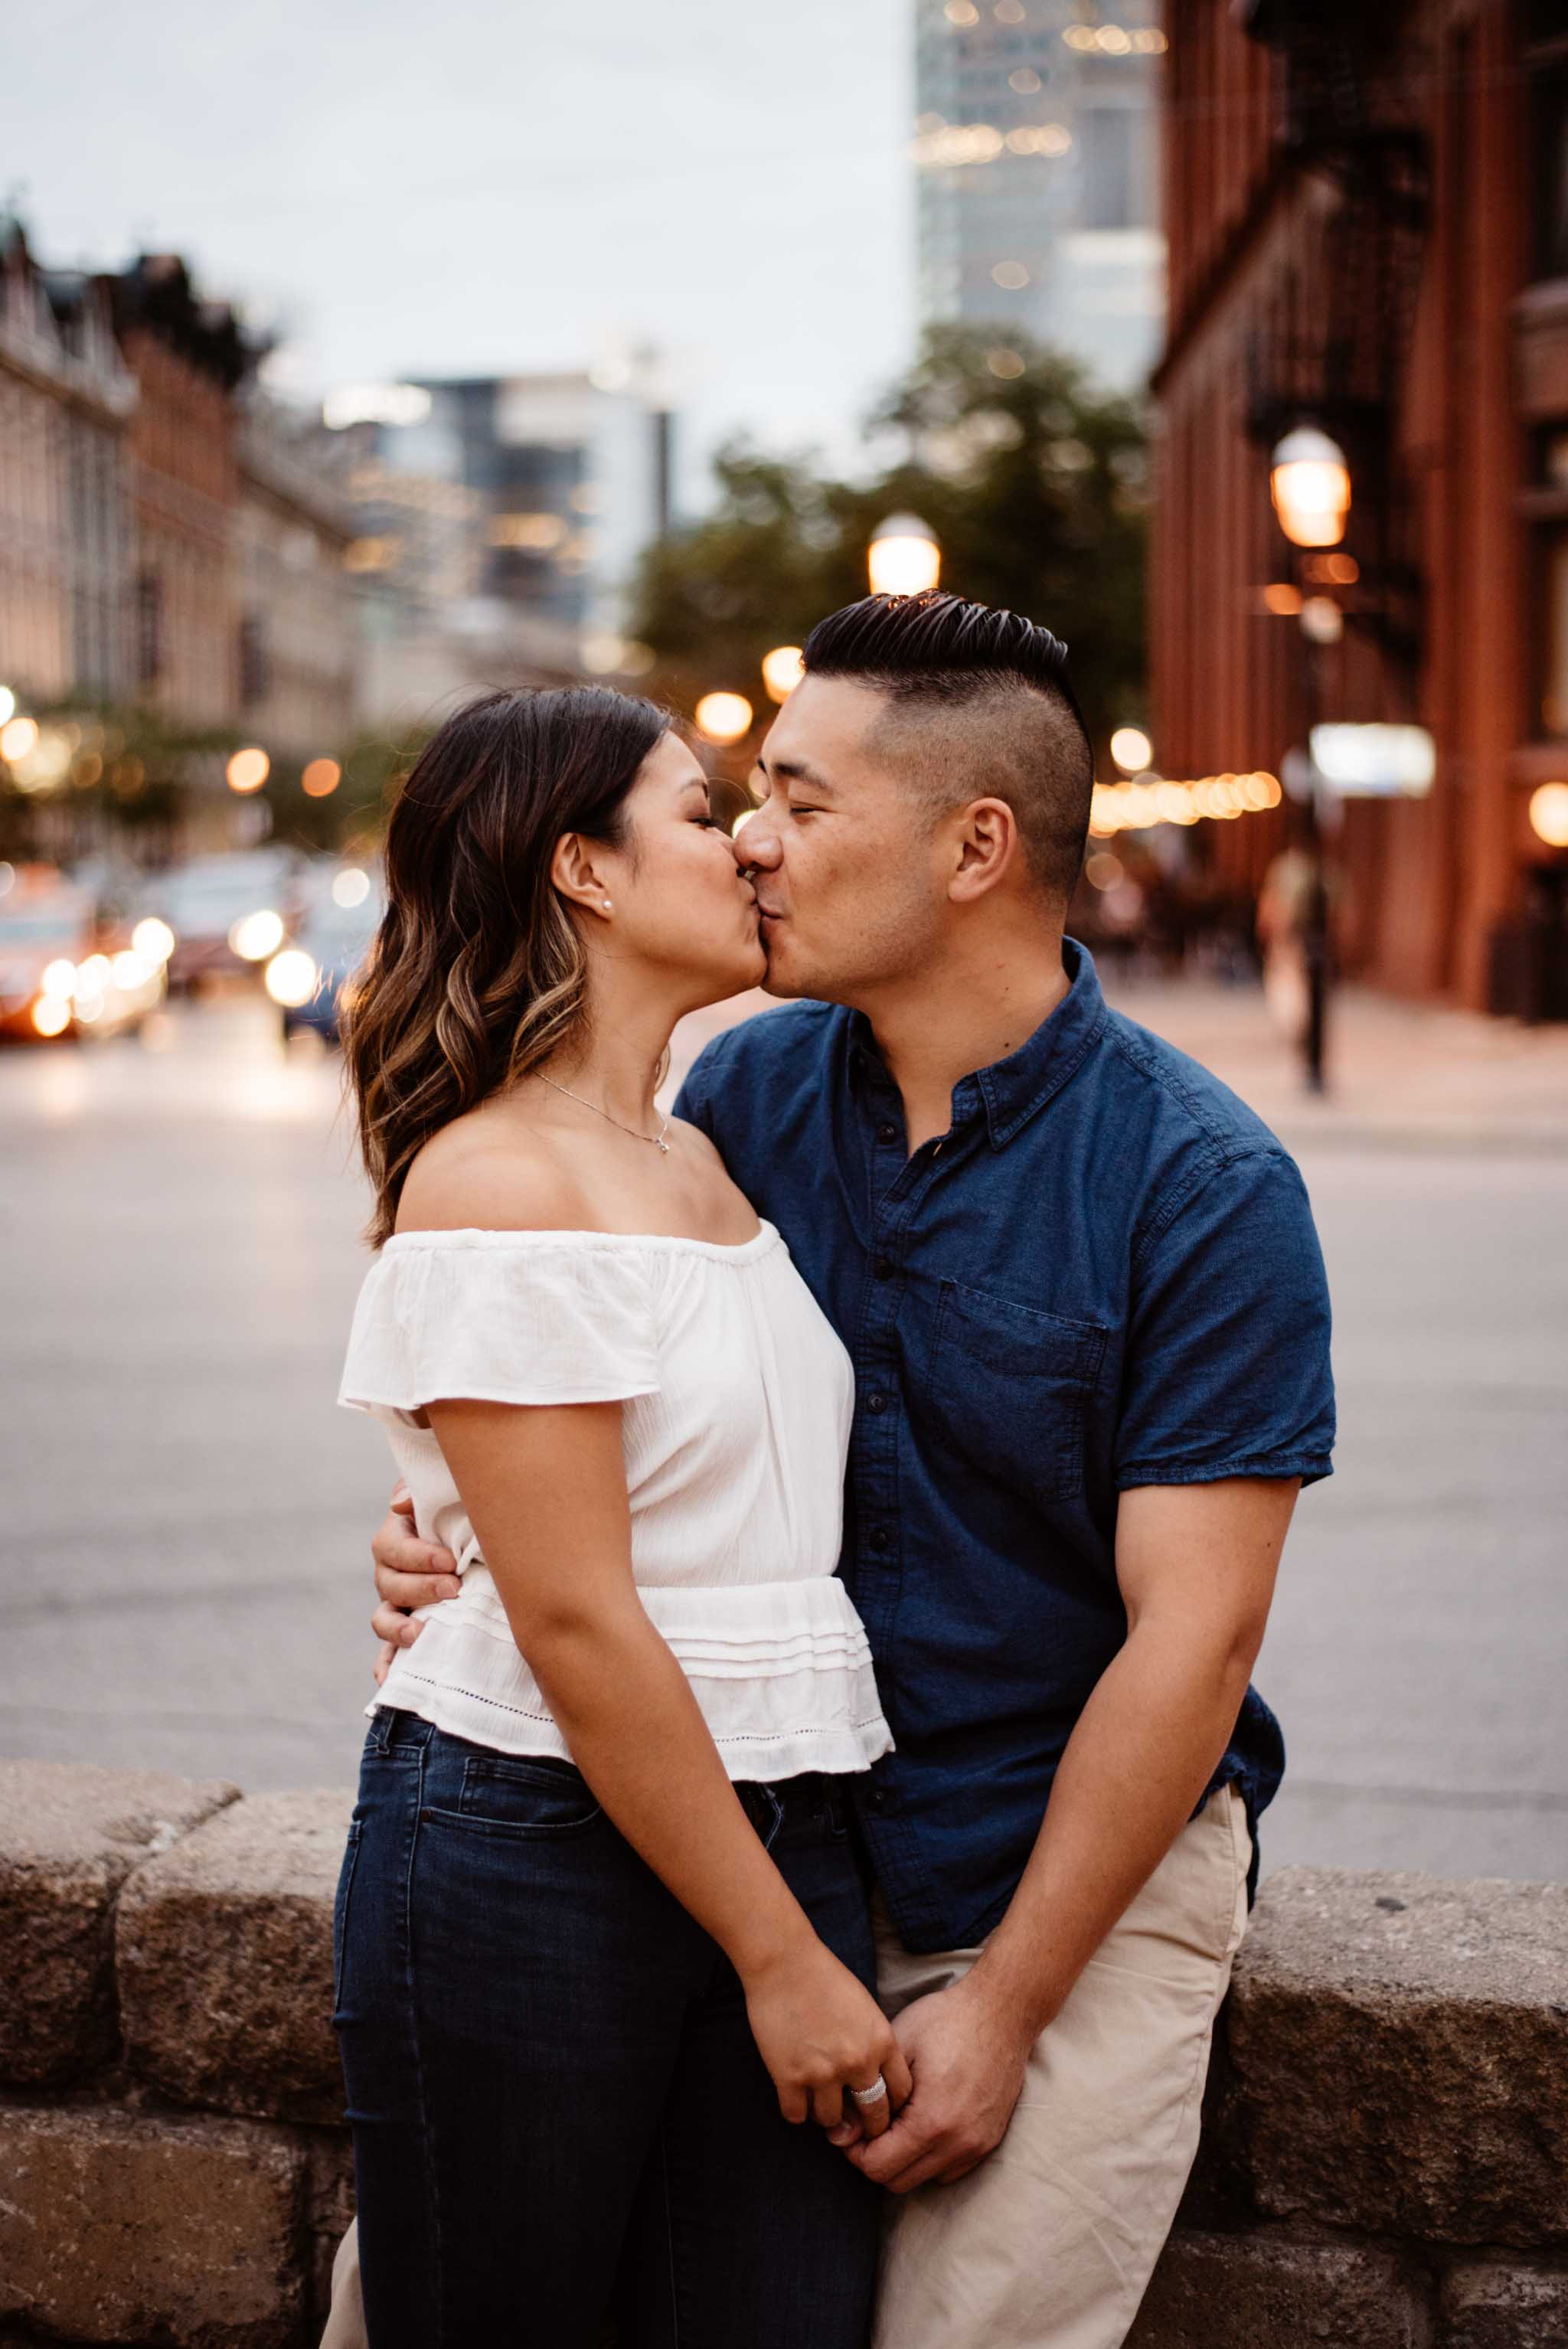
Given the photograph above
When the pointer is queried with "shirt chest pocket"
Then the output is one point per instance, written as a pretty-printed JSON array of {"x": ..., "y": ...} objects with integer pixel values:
[{"x": 1013, "y": 1387}]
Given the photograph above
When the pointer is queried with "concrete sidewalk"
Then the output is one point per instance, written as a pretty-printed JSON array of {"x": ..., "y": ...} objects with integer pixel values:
[{"x": 1400, "y": 1075}]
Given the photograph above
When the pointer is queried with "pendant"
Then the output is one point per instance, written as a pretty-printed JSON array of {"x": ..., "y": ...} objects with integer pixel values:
[{"x": 663, "y": 1147}]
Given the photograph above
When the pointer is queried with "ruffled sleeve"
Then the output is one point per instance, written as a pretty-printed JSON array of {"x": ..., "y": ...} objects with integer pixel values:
[{"x": 501, "y": 1316}]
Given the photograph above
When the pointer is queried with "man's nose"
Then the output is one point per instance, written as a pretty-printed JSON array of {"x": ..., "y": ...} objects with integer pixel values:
[{"x": 756, "y": 842}]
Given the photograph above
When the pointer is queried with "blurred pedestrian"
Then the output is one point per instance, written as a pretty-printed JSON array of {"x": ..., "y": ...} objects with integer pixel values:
[{"x": 1293, "y": 935}]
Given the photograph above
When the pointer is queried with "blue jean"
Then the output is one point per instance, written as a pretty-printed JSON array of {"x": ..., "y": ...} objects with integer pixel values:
[{"x": 558, "y": 2111}]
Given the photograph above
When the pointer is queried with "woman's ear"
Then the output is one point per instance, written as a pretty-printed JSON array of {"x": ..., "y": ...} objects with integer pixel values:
[{"x": 577, "y": 877}]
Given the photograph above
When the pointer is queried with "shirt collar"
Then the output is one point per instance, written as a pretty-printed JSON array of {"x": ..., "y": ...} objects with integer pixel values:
[{"x": 1011, "y": 1091}]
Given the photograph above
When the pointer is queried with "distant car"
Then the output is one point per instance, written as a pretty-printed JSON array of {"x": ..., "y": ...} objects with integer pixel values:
[
  {"x": 63, "y": 975},
  {"x": 307, "y": 978},
  {"x": 228, "y": 914}
]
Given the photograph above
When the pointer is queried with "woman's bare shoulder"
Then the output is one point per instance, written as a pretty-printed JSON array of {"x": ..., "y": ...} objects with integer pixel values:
[{"x": 478, "y": 1175}]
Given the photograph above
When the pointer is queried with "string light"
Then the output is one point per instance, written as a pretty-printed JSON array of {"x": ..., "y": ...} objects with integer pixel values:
[{"x": 1151, "y": 799}]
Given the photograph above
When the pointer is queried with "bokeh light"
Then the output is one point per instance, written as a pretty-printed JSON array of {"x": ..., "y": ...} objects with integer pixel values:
[
  {"x": 723, "y": 717},
  {"x": 248, "y": 770},
  {"x": 321, "y": 778},
  {"x": 1131, "y": 748},
  {"x": 1549, "y": 813},
  {"x": 782, "y": 672},
  {"x": 256, "y": 935},
  {"x": 154, "y": 938},
  {"x": 291, "y": 978}
]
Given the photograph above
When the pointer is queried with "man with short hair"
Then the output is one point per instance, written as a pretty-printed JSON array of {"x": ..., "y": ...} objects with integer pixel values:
[{"x": 1086, "y": 1312}]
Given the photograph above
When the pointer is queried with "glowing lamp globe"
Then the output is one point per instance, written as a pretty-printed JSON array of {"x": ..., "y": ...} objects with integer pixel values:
[
  {"x": 1309, "y": 482},
  {"x": 904, "y": 557}
]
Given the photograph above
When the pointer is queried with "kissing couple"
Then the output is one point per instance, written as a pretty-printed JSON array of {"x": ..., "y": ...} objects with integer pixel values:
[{"x": 808, "y": 1810}]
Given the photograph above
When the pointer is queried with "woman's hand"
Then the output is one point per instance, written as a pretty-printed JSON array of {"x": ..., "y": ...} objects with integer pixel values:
[{"x": 820, "y": 2032}]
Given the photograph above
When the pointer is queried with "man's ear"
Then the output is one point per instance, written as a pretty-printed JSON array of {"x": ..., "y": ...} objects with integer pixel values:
[
  {"x": 987, "y": 845},
  {"x": 577, "y": 876}
]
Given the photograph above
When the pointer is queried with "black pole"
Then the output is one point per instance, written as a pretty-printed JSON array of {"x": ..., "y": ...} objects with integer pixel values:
[{"x": 1316, "y": 949}]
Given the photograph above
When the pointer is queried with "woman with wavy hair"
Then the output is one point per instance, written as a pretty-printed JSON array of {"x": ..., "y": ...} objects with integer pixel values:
[{"x": 604, "y": 1949}]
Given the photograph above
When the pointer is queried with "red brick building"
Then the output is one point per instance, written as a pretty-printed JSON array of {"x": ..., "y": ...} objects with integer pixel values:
[
  {"x": 1367, "y": 214},
  {"x": 188, "y": 357}
]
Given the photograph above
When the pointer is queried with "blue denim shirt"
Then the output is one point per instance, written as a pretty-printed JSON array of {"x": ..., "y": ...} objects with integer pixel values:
[{"x": 1105, "y": 1275}]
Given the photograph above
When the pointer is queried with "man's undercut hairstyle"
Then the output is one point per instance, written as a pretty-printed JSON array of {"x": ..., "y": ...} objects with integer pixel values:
[{"x": 978, "y": 707}]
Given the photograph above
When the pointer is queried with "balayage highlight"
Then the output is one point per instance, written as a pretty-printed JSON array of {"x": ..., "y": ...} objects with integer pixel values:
[{"x": 478, "y": 972}]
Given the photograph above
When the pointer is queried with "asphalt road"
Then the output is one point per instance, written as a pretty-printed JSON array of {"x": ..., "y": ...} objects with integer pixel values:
[{"x": 184, "y": 1515}]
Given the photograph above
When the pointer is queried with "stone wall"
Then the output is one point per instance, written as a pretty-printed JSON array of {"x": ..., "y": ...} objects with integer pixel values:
[{"x": 1385, "y": 2160}]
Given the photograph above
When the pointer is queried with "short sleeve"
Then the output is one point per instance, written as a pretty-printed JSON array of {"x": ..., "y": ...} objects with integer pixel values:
[
  {"x": 694, "y": 1102},
  {"x": 1227, "y": 1369},
  {"x": 501, "y": 1317}
]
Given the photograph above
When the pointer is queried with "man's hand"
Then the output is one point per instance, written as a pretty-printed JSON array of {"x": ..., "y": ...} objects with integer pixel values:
[
  {"x": 409, "y": 1573},
  {"x": 968, "y": 2056}
]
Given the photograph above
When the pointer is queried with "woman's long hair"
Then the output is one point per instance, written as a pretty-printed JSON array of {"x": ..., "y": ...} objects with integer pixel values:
[{"x": 478, "y": 972}]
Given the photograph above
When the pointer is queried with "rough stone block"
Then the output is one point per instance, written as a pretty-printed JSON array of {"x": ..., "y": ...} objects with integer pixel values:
[
  {"x": 225, "y": 1958},
  {"x": 70, "y": 1836},
  {"x": 119, "y": 2227},
  {"x": 1397, "y": 2048},
  {"x": 1504, "y": 2308},
  {"x": 1265, "y": 2292}
]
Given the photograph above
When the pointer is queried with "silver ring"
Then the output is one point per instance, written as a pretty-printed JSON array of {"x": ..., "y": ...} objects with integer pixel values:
[{"x": 872, "y": 2096}]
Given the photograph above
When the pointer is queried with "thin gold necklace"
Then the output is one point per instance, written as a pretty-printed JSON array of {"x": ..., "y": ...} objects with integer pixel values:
[{"x": 658, "y": 1140}]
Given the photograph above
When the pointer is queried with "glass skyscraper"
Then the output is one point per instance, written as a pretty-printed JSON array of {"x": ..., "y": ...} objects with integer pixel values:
[{"x": 1036, "y": 148}]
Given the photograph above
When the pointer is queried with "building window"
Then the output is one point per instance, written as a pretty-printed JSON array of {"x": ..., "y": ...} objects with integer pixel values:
[
  {"x": 1554, "y": 648},
  {"x": 147, "y": 601},
  {"x": 254, "y": 668},
  {"x": 1548, "y": 60}
]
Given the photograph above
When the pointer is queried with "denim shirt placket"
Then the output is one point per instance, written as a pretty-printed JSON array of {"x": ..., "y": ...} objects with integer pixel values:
[{"x": 898, "y": 1184}]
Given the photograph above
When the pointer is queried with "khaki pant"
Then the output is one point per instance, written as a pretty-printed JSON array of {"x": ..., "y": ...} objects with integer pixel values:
[{"x": 1050, "y": 2244}]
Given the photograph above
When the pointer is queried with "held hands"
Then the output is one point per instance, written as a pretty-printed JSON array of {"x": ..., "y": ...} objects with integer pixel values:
[
  {"x": 820, "y": 2034},
  {"x": 410, "y": 1573},
  {"x": 966, "y": 2057}
]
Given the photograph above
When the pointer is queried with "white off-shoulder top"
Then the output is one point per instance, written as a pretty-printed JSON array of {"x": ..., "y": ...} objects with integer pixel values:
[{"x": 737, "y": 1400}]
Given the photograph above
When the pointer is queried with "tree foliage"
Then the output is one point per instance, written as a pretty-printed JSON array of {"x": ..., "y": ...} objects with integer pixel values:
[{"x": 1035, "y": 484}]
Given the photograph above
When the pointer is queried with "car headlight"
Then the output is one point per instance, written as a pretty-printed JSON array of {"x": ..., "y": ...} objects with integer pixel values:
[
  {"x": 292, "y": 977},
  {"x": 256, "y": 935},
  {"x": 51, "y": 1015}
]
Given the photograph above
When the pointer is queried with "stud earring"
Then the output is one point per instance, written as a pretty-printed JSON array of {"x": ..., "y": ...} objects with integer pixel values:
[{"x": 607, "y": 906}]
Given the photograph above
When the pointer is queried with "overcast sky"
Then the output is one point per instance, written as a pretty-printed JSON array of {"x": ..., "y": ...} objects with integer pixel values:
[{"x": 462, "y": 186}]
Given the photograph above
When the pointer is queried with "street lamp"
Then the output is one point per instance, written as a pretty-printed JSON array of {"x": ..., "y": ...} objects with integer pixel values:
[
  {"x": 1309, "y": 482},
  {"x": 904, "y": 557}
]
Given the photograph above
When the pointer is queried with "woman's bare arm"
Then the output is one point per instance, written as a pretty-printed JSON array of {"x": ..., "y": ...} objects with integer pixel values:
[{"x": 544, "y": 1488}]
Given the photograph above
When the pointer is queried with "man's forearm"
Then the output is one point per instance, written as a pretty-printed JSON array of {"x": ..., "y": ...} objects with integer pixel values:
[{"x": 1144, "y": 1748}]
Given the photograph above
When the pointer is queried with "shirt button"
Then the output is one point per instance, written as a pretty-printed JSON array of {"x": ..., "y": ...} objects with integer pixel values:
[
  {"x": 881, "y": 1539},
  {"x": 876, "y": 1402},
  {"x": 887, "y": 1133},
  {"x": 877, "y": 1798},
  {"x": 882, "y": 1267}
]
